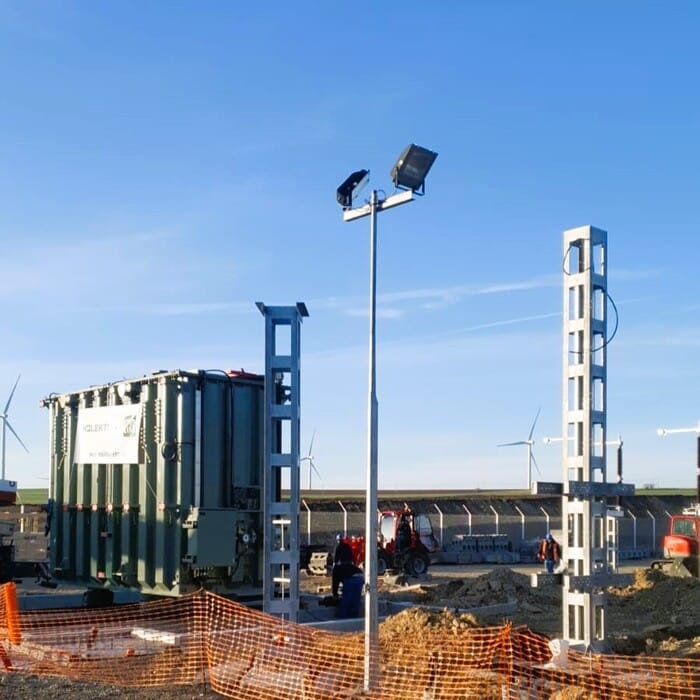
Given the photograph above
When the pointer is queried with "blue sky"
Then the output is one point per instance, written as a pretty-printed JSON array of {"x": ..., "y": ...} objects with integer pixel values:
[{"x": 166, "y": 165}]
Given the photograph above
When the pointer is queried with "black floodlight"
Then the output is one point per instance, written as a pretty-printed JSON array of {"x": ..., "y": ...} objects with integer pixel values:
[
  {"x": 412, "y": 167},
  {"x": 351, "y": 187}
]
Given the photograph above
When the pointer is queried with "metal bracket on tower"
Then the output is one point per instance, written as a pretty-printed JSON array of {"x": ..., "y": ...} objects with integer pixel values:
[{"x": 281, "y": 468}]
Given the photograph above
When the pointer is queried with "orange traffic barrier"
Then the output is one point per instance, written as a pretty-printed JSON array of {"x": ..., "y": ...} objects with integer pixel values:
[{"x": 14, "y": 633}]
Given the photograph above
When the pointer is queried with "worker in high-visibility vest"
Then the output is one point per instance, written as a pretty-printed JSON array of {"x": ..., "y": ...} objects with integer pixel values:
[{"x": 549, "y": 553}]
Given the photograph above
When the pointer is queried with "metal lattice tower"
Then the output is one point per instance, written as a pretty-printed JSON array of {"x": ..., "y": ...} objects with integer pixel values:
[
  {"x": 589, "y": 528},
  {"x": 281, "y": 467}
]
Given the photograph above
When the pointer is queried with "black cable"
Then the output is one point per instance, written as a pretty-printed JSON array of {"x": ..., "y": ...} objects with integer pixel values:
[
  {"x": 607, "y": 296},
  {"x": 612, "y": 335},
  {"x": 563, "y": 264}
]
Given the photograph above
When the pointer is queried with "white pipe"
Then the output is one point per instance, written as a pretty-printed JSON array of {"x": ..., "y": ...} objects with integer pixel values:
[
  {"x": 634, "y": 529},
  {"x": 439, "y": 511},
  {"x": 522, "y": 521},
  {"x": 469, "y": 518},
  {"x": 495, "y": 512},
  {"x": 546, "y": 515}
]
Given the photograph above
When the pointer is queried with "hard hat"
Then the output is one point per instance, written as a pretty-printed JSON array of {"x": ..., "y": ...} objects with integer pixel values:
[
  {"x": 549, "y": 537},
  {"x": 339, "y": 536}
]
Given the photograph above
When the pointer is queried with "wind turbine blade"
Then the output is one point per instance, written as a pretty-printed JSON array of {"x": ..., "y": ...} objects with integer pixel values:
[
  {"x": 12, "y": 393},
  {"x": 12, "y": 430},
  {"x": 510, "y": 444},
  {"x": 537, "y": 466},
  {"x": 534, "y": 422},
  {"x": 316, "y": 471},
  {"x": 311, "y": 444}
]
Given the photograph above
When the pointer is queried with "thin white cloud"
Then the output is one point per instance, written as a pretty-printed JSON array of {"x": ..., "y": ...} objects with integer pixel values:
[
  {"x": 433, "y": 298},
  {"x": 430, "y": 298},
  {"x": 458, "y": 292},
  {"x": 194, "y": 308},
  {"x": 623, "y": 274},
  {"x": 386, "y": 312}
]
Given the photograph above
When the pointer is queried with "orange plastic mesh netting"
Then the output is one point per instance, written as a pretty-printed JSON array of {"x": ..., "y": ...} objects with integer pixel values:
[{"x": 243, "y": 653}]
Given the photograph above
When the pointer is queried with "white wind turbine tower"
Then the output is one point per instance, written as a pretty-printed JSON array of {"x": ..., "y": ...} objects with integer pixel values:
[
  {"x": 7, "y": 426},
  {"x": 529, "y": 442},
  {"x": 310, "y": 459}
]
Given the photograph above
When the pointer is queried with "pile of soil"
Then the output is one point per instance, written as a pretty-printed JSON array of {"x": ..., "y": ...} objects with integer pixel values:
[{"x": 657, "y": 615}]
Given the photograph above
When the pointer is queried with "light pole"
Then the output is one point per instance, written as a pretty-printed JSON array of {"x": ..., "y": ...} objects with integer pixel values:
[{"x": 408, "y": 175}]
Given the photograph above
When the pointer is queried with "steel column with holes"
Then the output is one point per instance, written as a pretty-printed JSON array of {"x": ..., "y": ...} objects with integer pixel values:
[
  {"x": 281, "y": 466},
  {"x": 589, "y": 533}
]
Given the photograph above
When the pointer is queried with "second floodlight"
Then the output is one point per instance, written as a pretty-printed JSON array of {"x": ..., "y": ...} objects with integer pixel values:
[{"x": 411, "y": 168}]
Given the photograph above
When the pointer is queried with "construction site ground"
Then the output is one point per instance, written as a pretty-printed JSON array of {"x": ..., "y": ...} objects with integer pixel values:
[{"x": 657, "y": 616}]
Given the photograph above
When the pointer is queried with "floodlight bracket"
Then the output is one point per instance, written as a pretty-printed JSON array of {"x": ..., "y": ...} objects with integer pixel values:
[
  {"x": 394, "y": 201},
  {"x": 420, "y": 192}
]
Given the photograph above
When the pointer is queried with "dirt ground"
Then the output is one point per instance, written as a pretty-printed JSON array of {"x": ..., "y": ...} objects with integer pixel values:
[{"x": 657, "y": 616}]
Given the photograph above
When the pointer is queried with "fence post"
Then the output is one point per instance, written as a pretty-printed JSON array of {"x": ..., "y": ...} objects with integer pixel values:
[
  {"x": 546, "y": 515},
  {"x": 345, "y": 519},
  {"x": 653, "y": 533},
  {"x": 469, "y": 518},
  {"x": 308, "y": 521},
  {"x": 634, "y": 528},
  {"x": 522, "y": 521},
  {"x": 495, "y": 512},
  {"x": 437, "y": 508}
]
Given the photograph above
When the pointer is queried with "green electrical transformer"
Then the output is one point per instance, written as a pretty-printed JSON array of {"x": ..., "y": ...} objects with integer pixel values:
[{"x": 156, "y": 484}]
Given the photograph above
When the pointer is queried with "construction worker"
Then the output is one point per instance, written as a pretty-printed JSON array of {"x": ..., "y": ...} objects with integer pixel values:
[
  {"x": 403, "y": 534},
  {"x": 343, "y": 567},
  {"x": 549, "y": 553},
  {"x": 342, "y": 553}
]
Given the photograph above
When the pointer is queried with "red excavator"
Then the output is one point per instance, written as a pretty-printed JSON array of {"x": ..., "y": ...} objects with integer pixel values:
[
  {"x": 405, "y": 542},
  {"x": 680, "y": 544}
]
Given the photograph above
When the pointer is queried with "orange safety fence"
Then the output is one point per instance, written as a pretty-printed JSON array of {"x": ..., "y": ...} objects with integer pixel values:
[{"x": 243, "y": 653}]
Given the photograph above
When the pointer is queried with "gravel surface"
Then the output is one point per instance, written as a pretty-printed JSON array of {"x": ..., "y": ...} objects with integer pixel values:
[{"x": 21, "y": 687}]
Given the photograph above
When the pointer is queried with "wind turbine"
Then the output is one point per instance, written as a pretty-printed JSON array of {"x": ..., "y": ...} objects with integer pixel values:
[
  {"x": 310, "y": 459},
  {"x": 663, "y": 432},
  {"x": 7, "y": 426},
  {"x": 529, "y": 442}
]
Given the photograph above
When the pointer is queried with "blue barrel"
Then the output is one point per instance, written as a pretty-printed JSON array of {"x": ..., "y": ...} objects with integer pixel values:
[{"x": 351, "y": 598}]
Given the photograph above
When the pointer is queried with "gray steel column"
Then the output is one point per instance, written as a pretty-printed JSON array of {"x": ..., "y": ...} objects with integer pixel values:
[
  {"x": 588, "y": 532},
  {"x": 584, "y": 412},
  {"x": 281, "y": 461}
]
